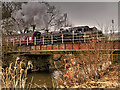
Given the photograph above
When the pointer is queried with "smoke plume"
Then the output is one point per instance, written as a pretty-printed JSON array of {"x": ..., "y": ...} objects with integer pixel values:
[{"x": 32, "y": 13}]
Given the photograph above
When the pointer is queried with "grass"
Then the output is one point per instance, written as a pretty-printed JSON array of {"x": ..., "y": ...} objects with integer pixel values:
[{"x": 15, "y": 75}]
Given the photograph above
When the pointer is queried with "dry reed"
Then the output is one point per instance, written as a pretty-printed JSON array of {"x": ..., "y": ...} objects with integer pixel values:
[{"x": 15, "y": 75}]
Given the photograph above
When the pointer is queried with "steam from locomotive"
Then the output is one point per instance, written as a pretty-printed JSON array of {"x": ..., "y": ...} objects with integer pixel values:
[{"x": 37, "y": 17}]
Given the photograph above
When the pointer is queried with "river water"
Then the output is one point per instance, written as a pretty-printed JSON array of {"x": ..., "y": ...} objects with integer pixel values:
[{"x": 40, "y": 79}]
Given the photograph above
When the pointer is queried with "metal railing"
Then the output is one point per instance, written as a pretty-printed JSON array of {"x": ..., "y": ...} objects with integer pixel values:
[
  {"x": 67, "y": 37},
  {"x": 59, "y": 38}
]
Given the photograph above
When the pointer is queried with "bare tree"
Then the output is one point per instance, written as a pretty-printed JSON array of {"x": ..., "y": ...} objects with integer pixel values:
[
  {"x": 18, "y": 17},
  {"x": 8, "y": 8},
  {"x": 7, "y": 22}
]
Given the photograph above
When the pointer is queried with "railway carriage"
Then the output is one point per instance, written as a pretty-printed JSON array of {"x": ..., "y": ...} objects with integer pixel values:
[
  {"x": 23, "y": 39},
  {"x": 69, "y": 35}
]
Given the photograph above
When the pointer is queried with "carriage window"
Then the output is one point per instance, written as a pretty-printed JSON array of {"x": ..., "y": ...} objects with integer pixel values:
[
  {"x": 66, "y": 30},
  {"x": 22, "y": 38},
  {"x": 11, "y": 39},
  {"x": 83, "y": 30},
  {"x": 16, "y": 38},
  {"x": 79, "y": 30},
  {"x": 30, "y": 38},
  {"x": 6, "y": 39}
]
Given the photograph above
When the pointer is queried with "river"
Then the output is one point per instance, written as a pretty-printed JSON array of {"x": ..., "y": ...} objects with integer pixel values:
[{"x": 40, "y": 79}]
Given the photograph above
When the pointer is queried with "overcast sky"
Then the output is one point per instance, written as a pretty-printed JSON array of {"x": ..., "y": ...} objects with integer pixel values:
[{"x": 89, "y": 13}]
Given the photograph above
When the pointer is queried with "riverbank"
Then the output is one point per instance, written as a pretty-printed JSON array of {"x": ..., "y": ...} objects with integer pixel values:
[
  {"x": 76, "y": 71},
  {"x": 108, "y": 80}
]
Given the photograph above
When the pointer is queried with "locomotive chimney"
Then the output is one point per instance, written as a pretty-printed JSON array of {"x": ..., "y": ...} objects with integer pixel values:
[
  {"x": 46, "y": 30},
  {"x": 33, "y": 27}
]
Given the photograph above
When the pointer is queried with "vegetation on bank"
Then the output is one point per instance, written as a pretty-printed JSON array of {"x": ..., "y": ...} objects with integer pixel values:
[
  {"x": 77, "y": 74},
  {"x": 15, "y": 75},
  {"x": 89, "y": 69},
  {"x": 85, "y": 69}
]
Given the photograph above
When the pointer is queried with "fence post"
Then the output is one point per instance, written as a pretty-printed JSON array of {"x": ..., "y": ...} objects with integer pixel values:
[
  {"x": 97, "y": 35},
  {"x": 51, "y": 39},
  {"x": 20, "y": 41},
  {"x": 83, "y": 34},
  {"x": 62, "y": 38},
  {"x": 43, "y": 40},
  {"x": 73, "y": 37},
  {"x": 13, "y": 41},
  {"x": 7, "y": 41},
  {"x": 35, "y": 41},
  {"x": 84, "y": 37},
  {"x": 27, "y": 41}
]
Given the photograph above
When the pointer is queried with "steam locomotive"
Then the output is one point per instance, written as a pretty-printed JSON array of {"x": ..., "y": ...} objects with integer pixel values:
[{"x": 69, "y": 35}]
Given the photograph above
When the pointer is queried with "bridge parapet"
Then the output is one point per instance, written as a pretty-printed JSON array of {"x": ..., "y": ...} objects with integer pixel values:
[{"x": 68, "y": 47}]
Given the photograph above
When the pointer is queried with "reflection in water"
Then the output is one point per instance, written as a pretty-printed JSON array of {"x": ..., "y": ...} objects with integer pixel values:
[{"x": 40, "y": 79}]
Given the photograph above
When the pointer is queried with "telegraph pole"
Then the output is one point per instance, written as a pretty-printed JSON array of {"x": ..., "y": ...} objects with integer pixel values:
[
  {"x": 112, "y": 33},
  {"x": 112, "y": 30},
  {"x": 113, "y": 26},
  {"x": 65, "y": 19}
]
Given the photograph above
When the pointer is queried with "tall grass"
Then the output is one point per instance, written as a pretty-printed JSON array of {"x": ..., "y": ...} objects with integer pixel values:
[
  {"x": 15, "y": 75},
  {"x": 83, "y": 67}
]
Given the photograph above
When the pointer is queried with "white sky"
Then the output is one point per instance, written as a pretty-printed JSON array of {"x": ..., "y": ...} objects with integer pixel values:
[
  {"x": 87, "y": 12},
  {"x": 64, "y": 0},
  {"x": 90, "y": 13}
]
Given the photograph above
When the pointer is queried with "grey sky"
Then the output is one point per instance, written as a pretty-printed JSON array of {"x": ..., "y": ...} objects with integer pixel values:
[
  {"x": 89, "y": 13},
  {"x": 62, "y": 1}
]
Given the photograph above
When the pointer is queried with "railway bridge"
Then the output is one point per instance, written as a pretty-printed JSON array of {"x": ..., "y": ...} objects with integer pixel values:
[
  {"x": 46, "y": 52},
  {"x": 65, "y": 47}
]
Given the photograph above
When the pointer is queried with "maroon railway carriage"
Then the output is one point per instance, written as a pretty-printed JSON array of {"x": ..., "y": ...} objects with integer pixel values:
[{"x": 22, "y": 39}]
